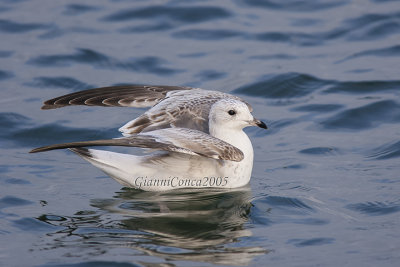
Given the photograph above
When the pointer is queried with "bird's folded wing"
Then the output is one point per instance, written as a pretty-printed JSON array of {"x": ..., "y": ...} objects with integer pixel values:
[
  {"x": 181, "y": 140},
  {"x": 116, "y": 96}
]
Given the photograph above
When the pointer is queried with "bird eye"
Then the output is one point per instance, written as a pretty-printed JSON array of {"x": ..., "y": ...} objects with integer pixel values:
[{"x": 231, "y": 112}]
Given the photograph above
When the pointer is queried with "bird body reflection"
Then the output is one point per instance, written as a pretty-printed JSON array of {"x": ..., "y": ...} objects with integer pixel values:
[{"x": 183, "y": 225}]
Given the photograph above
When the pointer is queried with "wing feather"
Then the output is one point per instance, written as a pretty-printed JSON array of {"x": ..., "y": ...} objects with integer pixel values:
[
  {"x": 172, "y": 106},
  {"x": 122, "y": 96},
  {"x": 186, "y": 109},
  {"x": 180, "y": 140}
]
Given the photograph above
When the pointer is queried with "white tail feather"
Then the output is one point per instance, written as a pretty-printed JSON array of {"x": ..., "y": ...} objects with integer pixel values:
[{"x": 121, "y": 167}]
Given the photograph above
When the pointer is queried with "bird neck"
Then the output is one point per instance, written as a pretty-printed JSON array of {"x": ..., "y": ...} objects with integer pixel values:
[{"x": 235, "y": 137}]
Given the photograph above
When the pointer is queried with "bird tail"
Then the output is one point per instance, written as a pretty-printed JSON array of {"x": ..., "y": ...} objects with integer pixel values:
[{"x": 121, "y": 167}]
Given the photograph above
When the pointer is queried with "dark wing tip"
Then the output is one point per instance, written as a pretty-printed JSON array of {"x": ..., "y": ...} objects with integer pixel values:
[
  {"x": 118, "y": 96},
  {"x": 39, "y": 149},
  {"x": 71, "y": 145},
  {"x": 47, "y": 107},
  {"x": 51, "y": 104}
]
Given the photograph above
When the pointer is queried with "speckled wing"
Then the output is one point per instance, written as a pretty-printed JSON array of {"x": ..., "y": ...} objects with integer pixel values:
[
  {"x": 182, "y": 140},
  {"x": 115, "y": 96},
  {"x": 172, "y": 106},
  {"x": 186, "y": 109}
]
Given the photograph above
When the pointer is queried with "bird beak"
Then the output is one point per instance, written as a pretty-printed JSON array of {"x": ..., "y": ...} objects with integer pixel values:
[{"x": 258, "y": 123}]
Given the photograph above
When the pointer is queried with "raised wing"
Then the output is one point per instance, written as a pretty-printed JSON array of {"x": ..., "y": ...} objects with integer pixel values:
[
  {"x": 180, "y": 140},
  {"x": 172, "y": 106},
  {"x": 184, "y": 109},
  {"x": 115, "y": 96}
]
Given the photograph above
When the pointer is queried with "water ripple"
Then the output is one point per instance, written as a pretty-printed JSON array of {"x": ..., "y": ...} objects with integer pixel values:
[
  {"x": 16, "y": 181},
  {"x": 78, "y": 9},
  {"x": 386, "y": 151},
  {"x": 289, "y": 85},
  {"x": 392, "y": 51},
  {"x": 278, "y": 209},
  {"x": 182, "y": 14},
  {"x": 305, "y": 22},
  {"x": 280, "y": 205},
  {"x": 311, "y": 242},
  {"x": 149, "y": 64},
  {"x": 296, "y": 38},
  {"x": 11, "y": 201},
  {"x": 364, "y": 28},
  {"x": 318, "y": 108},
  {"x": 55, "y": 32},
  {"x": 59, "y": 82},
  {"x": 5, "y": 75},
  {"x": 20, "y": 131},
  {"x": 319, "y": 151},
  {"x": 30, "y": 224},
  {"x": 375, "y": 208},
  {"x": 365, "y": 117},
  {"x": 180, "y": 225},
  {"x": 276, "y": 56},
  {"x": 374, "y": 32},
  {"x": 200, "y": 34},
  {"x": 10, "y": 120},
  {"x": 54, "y": 133},
  {"x": 82, "y": 55},
  {"x": 155, "y": 27},
  {"x": 210, "y": 75},
  {"x": 364, "y": 87},
  {"x": 373, "y": 26},
  {"x": 5, "y": 54},
  {"x": 277, "y": 125},
  {"x": 9, "y": 26},
  {"x": 4, "y": 9},
  {"x": 282, "y": 202},
  {"x": 293, "y": 5}
]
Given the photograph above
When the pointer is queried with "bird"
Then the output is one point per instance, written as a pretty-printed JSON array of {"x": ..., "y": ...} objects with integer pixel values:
[{"x": 195, "y": 137}]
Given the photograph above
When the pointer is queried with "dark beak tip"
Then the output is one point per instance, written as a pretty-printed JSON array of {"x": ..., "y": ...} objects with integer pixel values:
[{"x": 262, "y": 125}]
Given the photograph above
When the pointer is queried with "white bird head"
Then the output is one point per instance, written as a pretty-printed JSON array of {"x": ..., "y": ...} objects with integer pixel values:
[{"x": 232, "y": 114}]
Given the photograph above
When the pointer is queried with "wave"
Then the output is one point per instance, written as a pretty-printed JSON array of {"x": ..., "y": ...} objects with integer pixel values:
[
  {"x": 365, "y": 117},
  {"x": 288, "y": 85},
  {"x": 392, "y": 51},
  {"x": 364, "y": 87},
  {"x": 375, "y": 208},
  {"x": 386, "y": 151},
  {"x": 293, "y": 5},
  {"x": 294, "y": 85},
  {"x": 150, "y": 64},
  {"x": 8, "y": 26},
  {"x": 168, "y": 13},
  {"x": 5, "y": 75},
  {"x": 200, "y": 34},
  {"x": 21, "y": 131},
  {"x": 318, "y": 151},
  {"x": 59, "y": 82},
  {"x": 78, "y": 9}
]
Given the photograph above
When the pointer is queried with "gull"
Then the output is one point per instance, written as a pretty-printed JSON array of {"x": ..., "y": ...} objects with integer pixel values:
[{"x": 195, "y": 136}]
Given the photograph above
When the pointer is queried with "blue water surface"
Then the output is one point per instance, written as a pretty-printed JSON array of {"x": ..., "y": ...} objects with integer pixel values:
[{"x": 324, "y": 76}]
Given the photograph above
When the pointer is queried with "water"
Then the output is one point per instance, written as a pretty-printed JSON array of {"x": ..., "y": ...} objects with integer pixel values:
[{"x": 324, "y": 76}]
